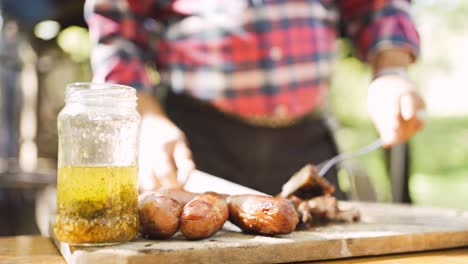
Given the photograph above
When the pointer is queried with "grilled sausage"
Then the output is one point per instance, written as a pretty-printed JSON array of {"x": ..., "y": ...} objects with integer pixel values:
[
  {"x": 180, "y": 195},
  {"x": 203, "y": 216},
  {"x": 159, "y": 216},
  {"x": 262, "y": 215}
]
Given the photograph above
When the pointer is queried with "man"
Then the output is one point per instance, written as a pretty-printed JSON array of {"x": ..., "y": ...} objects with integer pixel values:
[{"x": 247, "y": 79}]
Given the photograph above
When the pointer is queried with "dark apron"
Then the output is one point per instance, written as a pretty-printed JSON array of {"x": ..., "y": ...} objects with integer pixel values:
[{"x": 261, "y": 158}]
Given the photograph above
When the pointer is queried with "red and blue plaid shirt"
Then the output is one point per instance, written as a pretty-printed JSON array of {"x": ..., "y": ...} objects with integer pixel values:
[{"x": 246, "y": 57}]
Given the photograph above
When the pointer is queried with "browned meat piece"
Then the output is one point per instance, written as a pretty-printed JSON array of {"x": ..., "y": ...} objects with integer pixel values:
[
  {"x": 324, "y": 209},
  {"x": 159, "y": 216},
  {"x": 180, "y": 195},
  {"x": 305, "y": 218},
  {"x": 294, "y": 200},
  {"x": 262, "y": 215},
  {"x": 307, "y": 184},
  {"x": 203, "y": 216},
  {"x": 348, "y": 215},
  {"x": 318, "y": 209}
]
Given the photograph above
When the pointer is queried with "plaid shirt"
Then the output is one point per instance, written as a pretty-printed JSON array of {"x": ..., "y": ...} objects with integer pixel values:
[{"x": 246, "y": 57}]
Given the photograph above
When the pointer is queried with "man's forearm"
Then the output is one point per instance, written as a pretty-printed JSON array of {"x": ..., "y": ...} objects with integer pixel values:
[{"x": 391, "y": 58}]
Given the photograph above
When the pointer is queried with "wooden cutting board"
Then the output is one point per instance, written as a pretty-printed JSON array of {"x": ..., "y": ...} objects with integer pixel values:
[{"x": 384, "y": 229}]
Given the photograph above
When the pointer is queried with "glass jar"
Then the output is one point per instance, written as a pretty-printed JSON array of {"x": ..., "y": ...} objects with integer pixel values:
[{"x": 97, "y": 195}]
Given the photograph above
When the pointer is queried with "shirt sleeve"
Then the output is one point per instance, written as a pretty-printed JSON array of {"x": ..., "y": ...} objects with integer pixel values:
[
  {"x": 120, "y": 41},
  {"x": 374, "y": 25}
]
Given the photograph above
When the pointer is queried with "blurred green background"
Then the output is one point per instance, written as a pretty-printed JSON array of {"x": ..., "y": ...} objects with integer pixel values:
[{"x": 438, "y": 155}]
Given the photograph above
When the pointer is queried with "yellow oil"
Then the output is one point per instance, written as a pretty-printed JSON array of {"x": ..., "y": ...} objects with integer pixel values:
[{"x": 96, "y": 205}]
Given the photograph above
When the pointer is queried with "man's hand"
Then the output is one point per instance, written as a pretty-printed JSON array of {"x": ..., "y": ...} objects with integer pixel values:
[
  {"x": 165, "y": 159},
  {"x": 393, "y": 106}
]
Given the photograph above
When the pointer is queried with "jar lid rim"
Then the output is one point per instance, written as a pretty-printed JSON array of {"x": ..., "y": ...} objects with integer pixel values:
[
  {"x": 100, "y": 92},
  {"x": 99, "y": 86}
]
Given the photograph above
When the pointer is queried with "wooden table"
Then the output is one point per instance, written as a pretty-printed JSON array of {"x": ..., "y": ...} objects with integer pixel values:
[{"x": 37, "y": 249}]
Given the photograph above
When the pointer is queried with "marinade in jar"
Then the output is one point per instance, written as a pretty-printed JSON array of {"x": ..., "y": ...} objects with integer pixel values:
[{"x": 96, "y": 205}]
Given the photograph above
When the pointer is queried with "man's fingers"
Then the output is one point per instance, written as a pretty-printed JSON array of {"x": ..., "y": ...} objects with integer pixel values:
[
  {"x": 168, "y": 166},
  {"x": 407, "y": 107},
  {"x": 419, "y": 124},
  {"x": 398, "y": 130},
  {"x": 146, "y": 179},
  {"x": 183, "y": 161},
  {"x": 411, "y": 106},
  {"x": 413, "y": 126},
  {"x": 164, "y": 167},
  {"x": 160, "y": 147}
]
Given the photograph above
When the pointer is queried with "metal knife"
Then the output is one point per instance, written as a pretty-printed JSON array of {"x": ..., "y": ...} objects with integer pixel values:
[{"x": 199, "y": 182}]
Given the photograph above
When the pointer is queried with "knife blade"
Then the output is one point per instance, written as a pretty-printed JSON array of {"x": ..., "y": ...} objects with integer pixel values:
[{"x": 199, "y": 182}]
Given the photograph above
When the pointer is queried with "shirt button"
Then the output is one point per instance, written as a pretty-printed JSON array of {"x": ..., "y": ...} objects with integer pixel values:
[
  {"x": 281, "y": 111},
  {"x": 276, "y": 53}
]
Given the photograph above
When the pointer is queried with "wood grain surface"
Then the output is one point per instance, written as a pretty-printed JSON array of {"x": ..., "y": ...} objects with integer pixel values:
[
  {"x": 384, "y": 229},
  {"x": 41, "y": 250},
  {"x": 451, "y": 256},
  {"x": 29, "y": 249}
]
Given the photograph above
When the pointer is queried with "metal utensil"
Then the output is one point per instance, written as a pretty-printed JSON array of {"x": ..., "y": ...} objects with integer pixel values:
[
  {"x": 200, "y": 182},
  {"x": 304, "y": 178},
  {"x": 326, "y": 165}
]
